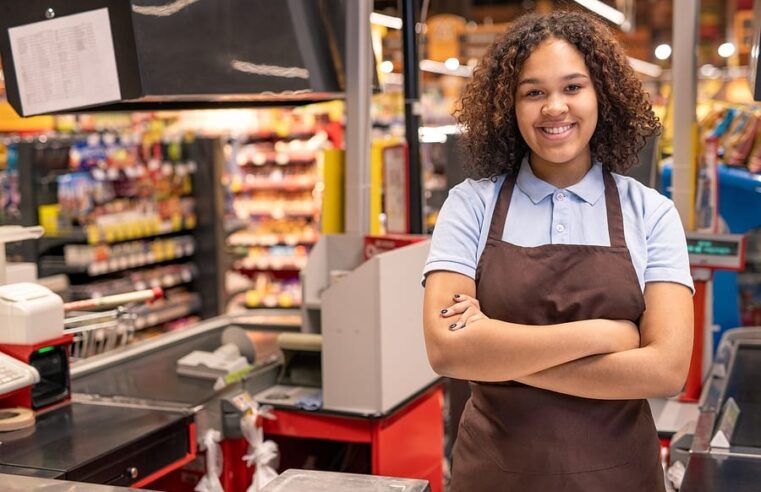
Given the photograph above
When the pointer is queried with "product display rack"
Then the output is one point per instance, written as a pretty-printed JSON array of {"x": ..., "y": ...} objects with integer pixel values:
[
  {"x": 177, "y": 254},
  {"x": 273, "y": 184}
]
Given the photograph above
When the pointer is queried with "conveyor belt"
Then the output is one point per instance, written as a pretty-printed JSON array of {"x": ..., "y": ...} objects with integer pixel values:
[
  {"x": 737, "y": 469},
  {"x": 745, "y": 388},
  {"x": 154, "y": 376},
  {"x": 708, "y": 473}
]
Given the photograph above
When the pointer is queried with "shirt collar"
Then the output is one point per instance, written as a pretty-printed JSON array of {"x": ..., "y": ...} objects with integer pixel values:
[
  {"x": 590, "y": 188},
  {"x": 536, "y": 189}
]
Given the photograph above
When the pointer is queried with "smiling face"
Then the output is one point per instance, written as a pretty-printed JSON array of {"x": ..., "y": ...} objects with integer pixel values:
[{"x": 556, "y": 110}]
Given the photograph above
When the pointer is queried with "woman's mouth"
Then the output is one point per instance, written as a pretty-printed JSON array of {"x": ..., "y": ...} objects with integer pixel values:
[{"x": 556, "y": 131}]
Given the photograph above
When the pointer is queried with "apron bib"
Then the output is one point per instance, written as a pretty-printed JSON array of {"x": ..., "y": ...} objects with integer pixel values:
[{"x": 514, "y": 437}]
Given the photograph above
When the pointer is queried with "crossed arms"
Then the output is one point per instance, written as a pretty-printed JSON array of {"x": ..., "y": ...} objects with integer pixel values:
[{"x": 603, "y": 359}]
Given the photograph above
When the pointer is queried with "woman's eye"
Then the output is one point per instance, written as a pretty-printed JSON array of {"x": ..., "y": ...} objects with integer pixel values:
[
  {"x": 534, "y": 93},
  {"x": 573, "y": 88}
]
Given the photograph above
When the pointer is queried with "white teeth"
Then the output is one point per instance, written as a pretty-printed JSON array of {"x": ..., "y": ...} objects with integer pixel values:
[{"x": 557, "y": 130}]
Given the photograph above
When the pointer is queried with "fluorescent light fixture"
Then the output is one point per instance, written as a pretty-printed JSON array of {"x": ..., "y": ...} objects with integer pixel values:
[
  {"x": 437, "y": 134},
  {"x": 441, "y": 68},
  {"x": 726, "y": 50},
  {"x": 603, "y": 10},
  {"x": 452, "y": 63},
  {"x": 662, "y": 51},
  {"x": 386, "y": 20},
  {"x": 644, "y": 67}
]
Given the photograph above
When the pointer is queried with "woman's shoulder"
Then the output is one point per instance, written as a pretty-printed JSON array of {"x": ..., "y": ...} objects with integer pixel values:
[
  {"x": 645, "y": 201},
  {"x": 479, "y": 192}
]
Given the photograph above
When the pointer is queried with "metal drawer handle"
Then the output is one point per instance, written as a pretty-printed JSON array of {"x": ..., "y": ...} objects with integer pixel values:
[{"x": 132, "y": 472}]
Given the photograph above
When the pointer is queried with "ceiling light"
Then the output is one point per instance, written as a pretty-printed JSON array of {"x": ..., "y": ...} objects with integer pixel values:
[
  {"x": 726, "y": 50},
  {"x": 662, "y": 51},
  {"x": 386, "y": 20},
  {"x": 441, "y": 68},
  {"x": 650, "y": 69},
  {"x": 452, "y": 63},
  {"x": 387, "y": 66},
  {"x": 603, "y": 10}
]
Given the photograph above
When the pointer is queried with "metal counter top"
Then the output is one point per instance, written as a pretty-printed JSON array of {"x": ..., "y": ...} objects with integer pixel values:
[
  {"x": 318, "y": 481},
  {"x": 80, "y": 441},
  {"x": 131, "y": 411},
  {"x": 17, "y": 483}
]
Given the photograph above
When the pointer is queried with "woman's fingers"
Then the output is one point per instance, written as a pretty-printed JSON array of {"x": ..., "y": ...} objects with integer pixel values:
[
  {"x": 461, "y": 305},
  {"x": 470, "y": 315},
  {"x": 463, "y": 297}
]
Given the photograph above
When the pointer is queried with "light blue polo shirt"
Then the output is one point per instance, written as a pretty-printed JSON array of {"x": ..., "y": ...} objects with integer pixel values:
[{"x": 542, "y": 214}]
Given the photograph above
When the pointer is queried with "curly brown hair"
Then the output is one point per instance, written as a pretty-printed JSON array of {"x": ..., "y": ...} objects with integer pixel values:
[{"x": 487, "y": 108}]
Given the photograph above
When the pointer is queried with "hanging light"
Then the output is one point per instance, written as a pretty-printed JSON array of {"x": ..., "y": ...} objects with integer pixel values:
[
  {"x": 663, "y": 51},
  {"x": 726, "y": 50}
]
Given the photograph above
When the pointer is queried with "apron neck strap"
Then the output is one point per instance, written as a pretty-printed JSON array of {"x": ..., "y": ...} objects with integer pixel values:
[
  {"x": 499, "y": 217},
  {"x": 612, "y": 208}
]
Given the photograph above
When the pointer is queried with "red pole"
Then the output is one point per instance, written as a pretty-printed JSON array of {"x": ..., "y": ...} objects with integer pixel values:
[{"x": 695, "y": 375}]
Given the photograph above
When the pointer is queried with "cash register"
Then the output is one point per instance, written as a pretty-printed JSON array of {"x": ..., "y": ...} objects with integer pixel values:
[{"x": 34, "y": 368}]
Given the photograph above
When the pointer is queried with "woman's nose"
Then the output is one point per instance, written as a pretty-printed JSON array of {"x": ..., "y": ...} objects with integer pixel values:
[{"x": 555, "y": 106}]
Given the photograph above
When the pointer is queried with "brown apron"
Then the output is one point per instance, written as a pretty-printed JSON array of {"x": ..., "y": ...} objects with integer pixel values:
[{"x": 515, "y": 437}]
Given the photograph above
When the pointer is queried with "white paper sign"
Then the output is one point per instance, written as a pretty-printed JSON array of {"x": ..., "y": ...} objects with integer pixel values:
[{"x": 65, "y": 63}]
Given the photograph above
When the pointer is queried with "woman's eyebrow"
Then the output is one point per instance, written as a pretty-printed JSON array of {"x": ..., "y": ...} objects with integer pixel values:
[{"x": 565, "y": 77}]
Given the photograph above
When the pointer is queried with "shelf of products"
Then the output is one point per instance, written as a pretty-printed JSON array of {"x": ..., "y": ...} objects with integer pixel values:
[
  {"x": 104, "y": 259},
  {"x": 274, "y": 185},
  {"x": 124, "y": 210}
]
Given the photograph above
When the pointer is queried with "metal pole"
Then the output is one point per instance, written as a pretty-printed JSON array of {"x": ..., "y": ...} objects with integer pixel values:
[
  {"x": 359, "y": 66},
  {"x": 412, "y": 113},
  {"x": 684, "y": 73}
]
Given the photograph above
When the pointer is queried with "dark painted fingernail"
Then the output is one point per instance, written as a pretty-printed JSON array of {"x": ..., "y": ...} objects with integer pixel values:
[
  {"x": 452, "y": 326},
  {"x": 443, "y": 311}
]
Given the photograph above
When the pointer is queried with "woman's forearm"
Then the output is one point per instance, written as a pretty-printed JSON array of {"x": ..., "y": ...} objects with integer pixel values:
[
  {"x": 492, "y": 350},
  {"x": 659, "y": 368},
  {"x": 632, "y": 374}
]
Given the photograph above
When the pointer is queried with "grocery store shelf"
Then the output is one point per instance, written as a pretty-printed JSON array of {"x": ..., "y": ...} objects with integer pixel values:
[
  {"x": 280, "y": 241},
  {"x": 275, "y": 186},
  {"x": 54, "y": 265},
  {"x": 249, "y": 270}
]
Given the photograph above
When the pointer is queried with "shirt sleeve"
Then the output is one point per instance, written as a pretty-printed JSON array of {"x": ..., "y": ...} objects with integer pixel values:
[
  {"x": 667, "y": 258},
  {"x": 454, "y": 245}
]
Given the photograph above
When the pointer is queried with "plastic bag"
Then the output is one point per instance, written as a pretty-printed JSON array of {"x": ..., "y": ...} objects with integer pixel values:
[
  {"x": 210, "y": 482},
  {"x": 262, "y": 454}
]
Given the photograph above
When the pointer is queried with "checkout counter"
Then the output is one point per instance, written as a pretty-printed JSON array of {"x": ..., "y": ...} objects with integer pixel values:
[
  {"x": 134, "y": 420},
  {"x": 725, "y": 454}
]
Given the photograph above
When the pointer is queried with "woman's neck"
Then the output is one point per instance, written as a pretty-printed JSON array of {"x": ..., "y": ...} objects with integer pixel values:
[{"x": 560, "y": 174}]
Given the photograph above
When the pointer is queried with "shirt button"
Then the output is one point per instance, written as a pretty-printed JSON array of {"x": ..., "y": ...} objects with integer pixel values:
[
  {"x": 560, "y": 197},
  {"x": 560, "y": 228}
]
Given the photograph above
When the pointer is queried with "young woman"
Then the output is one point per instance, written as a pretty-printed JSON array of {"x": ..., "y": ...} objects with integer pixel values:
[{"x": 560, "y": 289}]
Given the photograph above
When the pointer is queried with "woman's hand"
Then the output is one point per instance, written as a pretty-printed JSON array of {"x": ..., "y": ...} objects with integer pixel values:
[{"x": 467, "y": 307}]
